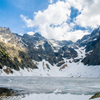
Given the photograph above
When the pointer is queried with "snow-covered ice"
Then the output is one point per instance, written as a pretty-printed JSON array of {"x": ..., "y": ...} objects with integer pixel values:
[{"x": 57, "y": 97}]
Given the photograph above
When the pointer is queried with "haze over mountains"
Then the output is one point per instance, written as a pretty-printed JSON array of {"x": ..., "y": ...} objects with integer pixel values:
[{"x": 26, "y": 51}]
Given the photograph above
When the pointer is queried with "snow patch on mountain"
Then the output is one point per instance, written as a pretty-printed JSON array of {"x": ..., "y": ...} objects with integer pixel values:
[{"x": 81, "y": 52}]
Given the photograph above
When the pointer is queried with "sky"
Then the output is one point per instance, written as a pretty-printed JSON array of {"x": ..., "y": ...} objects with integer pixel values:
[{"x": 53, "y": 19}]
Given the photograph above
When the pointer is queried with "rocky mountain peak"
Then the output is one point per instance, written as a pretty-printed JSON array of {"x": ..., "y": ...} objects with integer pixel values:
[
  {"x": 37, "y": 34},
  {"x": 89, "y": 39},
  {"x": 4, "y": 30},
  {"x": 96, "y": 32}
]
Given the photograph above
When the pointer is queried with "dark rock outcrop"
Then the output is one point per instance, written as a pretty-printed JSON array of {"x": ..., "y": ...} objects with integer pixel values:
[{"x": 94, "y": 57}]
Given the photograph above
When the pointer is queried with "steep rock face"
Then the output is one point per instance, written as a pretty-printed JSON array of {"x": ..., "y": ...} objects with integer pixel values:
[
  {"x": 88, "y": 39},
  {"x": 92, "y": 47},
  {"x": 14, "y": 57},
  {"x": 91, "y": 43},
  {"x": 7, "y": 37},
  {"x": 65, "y": 52},
  {"x": 94, "y": 57},
  {"x": 32, "y": 39},
  {"x": 94, "y": 36},
  {"x": 53, "y": 51},
  {"x": 56, "y": 44},
  {"x": 69, "y": 52},
  {"x": 38, "y": 47}
]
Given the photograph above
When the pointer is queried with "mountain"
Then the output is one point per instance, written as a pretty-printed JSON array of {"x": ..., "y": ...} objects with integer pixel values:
[
  {"x": 89, "y": 40},
  {"x": 23, "y": 49},
  {"x": 36, "y": 52},
  {"x": 13, "y": 52},
  {"x": 92, "y": 47},
  {"x": 93, "y": 58},
  {"x": 40, "y": 48}
]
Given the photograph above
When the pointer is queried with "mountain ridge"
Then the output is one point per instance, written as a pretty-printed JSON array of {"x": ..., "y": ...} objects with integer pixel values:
[{"x": 21, "y": 51}]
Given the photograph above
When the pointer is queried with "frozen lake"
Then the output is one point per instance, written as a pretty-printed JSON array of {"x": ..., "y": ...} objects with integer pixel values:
[
  {"x": 52, "y": 84},
  {"x": 49, "y": 85}
]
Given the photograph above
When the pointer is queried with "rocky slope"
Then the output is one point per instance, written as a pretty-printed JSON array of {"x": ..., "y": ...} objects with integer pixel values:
[
  {"x": 93, "y": 58},
  {"x": 92, "y": 47},
  {"x": 12, "y": 52},
  {"x": 40, "y": 48}
]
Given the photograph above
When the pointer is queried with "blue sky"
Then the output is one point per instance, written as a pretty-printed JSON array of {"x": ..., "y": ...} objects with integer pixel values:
[
  {"x": 57, "y": 19},
  {"x": 10, "y": 11}
]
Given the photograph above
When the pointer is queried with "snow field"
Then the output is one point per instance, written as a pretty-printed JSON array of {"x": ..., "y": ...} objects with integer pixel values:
[{"x": 57, "y": 97}]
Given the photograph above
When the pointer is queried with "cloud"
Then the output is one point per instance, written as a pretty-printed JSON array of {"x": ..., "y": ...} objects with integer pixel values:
[
  {"x": 90, "y": 14},
  {"x": 75, "y": 35},
  {"x": 54, "y": 22},
  {"x": 30, "y": 33},
  {"x": 29, "y": 22}
]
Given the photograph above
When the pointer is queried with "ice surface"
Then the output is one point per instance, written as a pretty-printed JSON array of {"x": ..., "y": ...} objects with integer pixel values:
[
  {"x": 52, "y": 88},
  {"x": 56, "y": 97}
]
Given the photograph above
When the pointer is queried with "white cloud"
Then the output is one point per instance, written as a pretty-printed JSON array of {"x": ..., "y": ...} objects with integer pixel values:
[
  {"x": 53, "y": 21},
  {"x": 29, "y": 22},
  {"x": 75, "y": 3},
  {"x": 90, "y": 14},
  {"x": 75, "y": 35},
  {"x": 30, "y": 33}
]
